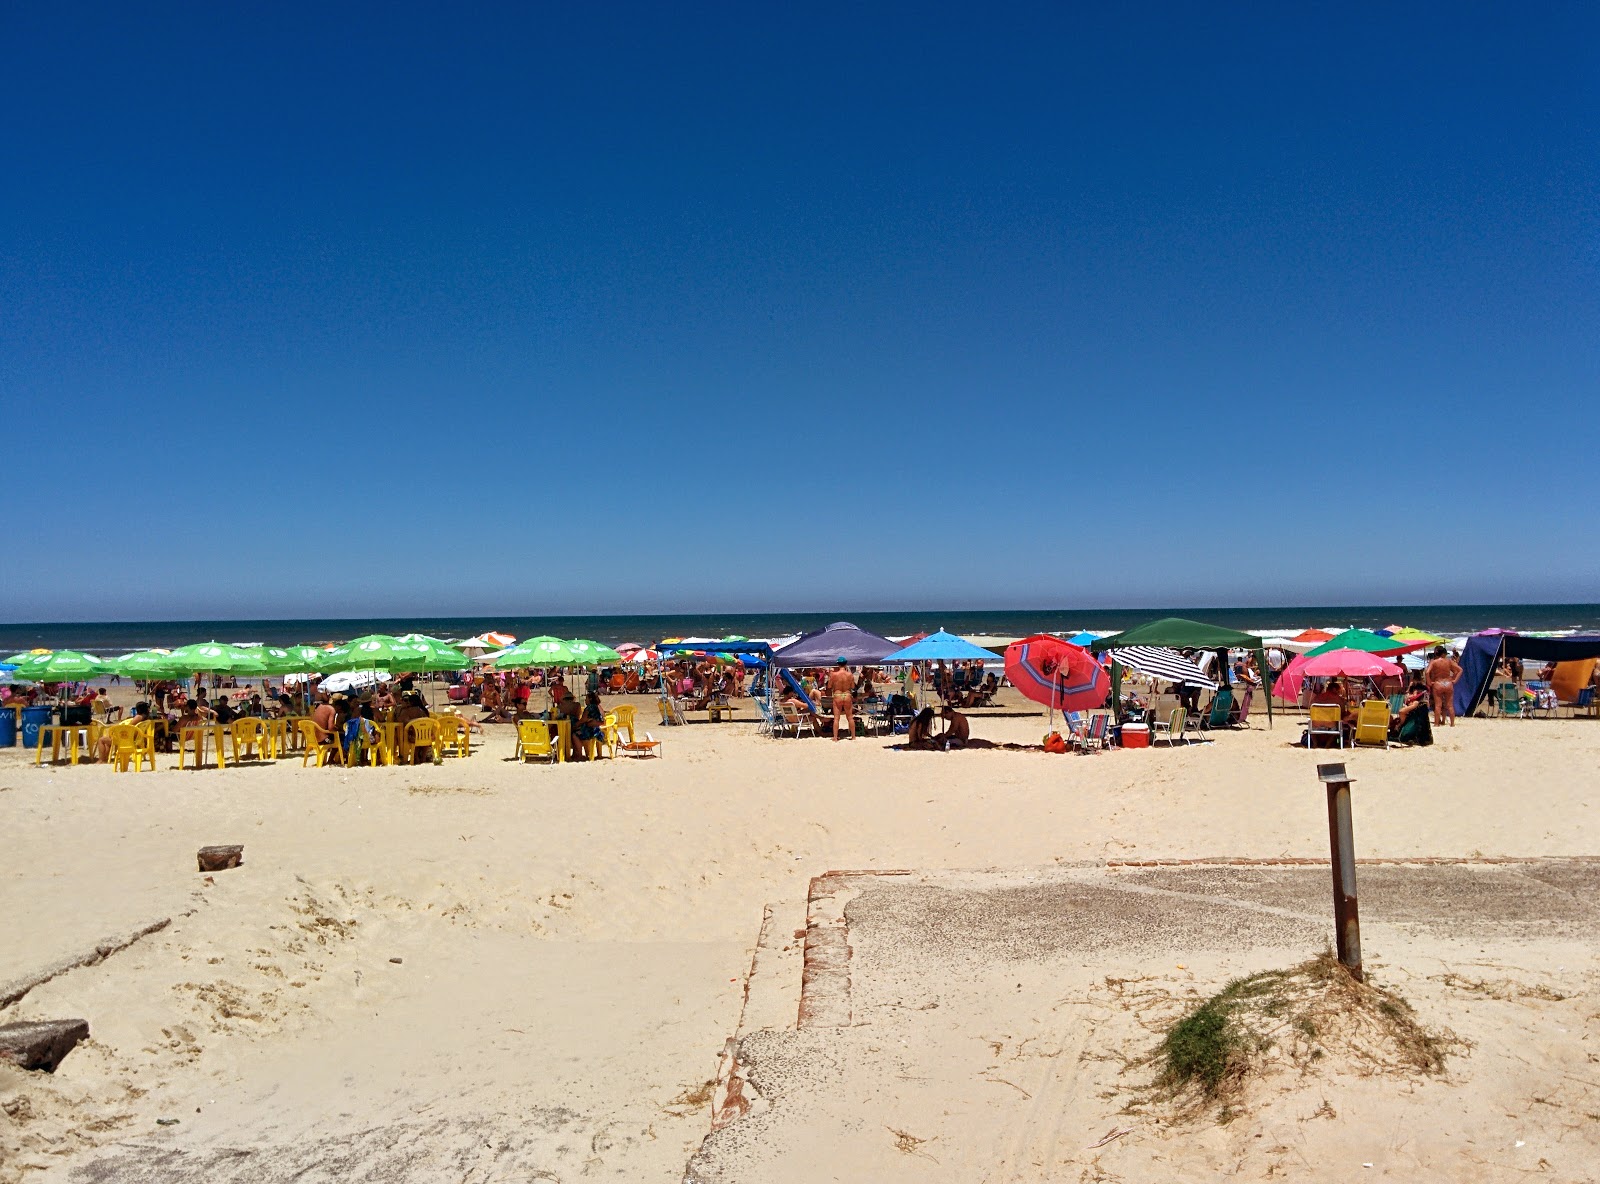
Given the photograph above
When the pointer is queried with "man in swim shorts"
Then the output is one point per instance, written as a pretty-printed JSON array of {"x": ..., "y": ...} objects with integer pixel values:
[
  {"x": 1441, "y": 677},
  {"x": 842, "y": 685}
]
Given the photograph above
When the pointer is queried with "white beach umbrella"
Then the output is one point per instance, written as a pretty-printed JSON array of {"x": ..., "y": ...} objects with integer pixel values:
[{"x": 350, "y": 680}]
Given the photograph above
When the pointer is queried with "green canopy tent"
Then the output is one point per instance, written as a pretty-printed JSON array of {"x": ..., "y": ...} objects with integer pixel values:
[{"x": 1179, "y": 634}]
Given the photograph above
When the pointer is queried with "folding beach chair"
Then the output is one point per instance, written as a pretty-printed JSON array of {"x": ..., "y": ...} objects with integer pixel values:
[
  {"x": 1327, "y": 719},
  {"x": 1372, "y": 724},
  {"x": 1221, "y": 709},
  {"x": 1173, "y": 730},
  {"x": 1094, "y": 733}
]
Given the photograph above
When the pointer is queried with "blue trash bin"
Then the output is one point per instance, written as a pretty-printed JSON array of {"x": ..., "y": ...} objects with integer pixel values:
[
  {"x": 8, "y": 728},
  {"x": 34, "y": 718}
]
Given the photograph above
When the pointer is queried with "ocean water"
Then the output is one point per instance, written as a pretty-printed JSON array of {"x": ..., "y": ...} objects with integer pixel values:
[{"x": 110, "y": 638}]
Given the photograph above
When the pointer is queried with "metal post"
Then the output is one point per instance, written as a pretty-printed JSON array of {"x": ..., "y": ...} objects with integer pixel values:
[{"x": 1346, "y": 919}]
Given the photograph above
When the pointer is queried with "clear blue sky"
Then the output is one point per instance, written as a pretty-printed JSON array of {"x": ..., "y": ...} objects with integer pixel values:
[{"x": 323, "y": 310}]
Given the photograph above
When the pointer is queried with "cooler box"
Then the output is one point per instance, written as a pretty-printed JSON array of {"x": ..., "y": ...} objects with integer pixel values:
[
  {"x": 1135, "y": 736},
  {"x": 34, "y": 718},
  {"x": 8, "y": 728}
]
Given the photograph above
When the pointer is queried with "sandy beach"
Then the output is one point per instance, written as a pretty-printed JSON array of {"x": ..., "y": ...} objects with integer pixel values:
[{"x": 489, "y": 971}]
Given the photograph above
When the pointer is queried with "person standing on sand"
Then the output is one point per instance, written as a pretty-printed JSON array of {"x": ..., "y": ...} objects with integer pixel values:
[
  {"x": 842, "y": 685},
  {"x": 1441, "y": 676}
]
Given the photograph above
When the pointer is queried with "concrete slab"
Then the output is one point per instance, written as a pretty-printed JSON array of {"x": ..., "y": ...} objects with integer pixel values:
[{"x": 988, "y": 1017}]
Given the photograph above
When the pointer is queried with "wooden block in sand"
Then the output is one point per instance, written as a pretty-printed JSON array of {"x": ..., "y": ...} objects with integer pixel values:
[
  {"x": 220, "y": 859},
  {"x": 40, "y": 1044}
]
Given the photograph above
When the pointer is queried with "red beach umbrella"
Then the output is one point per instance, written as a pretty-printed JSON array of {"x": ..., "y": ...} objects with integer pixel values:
[
  {"x": 1318, "y": 635},
  {"x": 1056, "y": 673}
]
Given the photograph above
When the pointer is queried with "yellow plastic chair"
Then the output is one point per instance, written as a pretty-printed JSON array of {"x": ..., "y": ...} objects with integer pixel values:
[
  {"x": 1327, "y": 719},
  {"x": 455, "y": 737},
  {"x": 128, "y": 748},
  {"x": 619, "y": 720},
  {"x": 533, "y": 740},
  {"x": 1372, "y": 723},
  {"x": 322, "y": 746},
  {"x": 593, "y": 746},
  {"x": 249, "y": 738},
  {"x": 421, "y": 733}
]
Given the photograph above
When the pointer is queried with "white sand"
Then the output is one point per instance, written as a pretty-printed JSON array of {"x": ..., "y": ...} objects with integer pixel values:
[{"x": 575, "y": 939}]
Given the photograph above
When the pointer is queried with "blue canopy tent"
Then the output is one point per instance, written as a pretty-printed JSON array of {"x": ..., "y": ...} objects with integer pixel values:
[
  {"x": 756, "y": 654},
  {"x": 1484, "y": 651},
  {"x": 755, "y": 649}
]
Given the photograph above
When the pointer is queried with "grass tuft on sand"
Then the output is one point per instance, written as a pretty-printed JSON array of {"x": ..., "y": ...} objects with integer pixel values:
[{"x": 1298, "y": 1018}]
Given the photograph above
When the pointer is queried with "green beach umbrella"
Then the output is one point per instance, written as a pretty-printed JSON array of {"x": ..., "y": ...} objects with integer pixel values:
[
  {"x": 375, "y": 651},
  {"x": 216, "y": 657},
  {"x": 149, "y": 666},
  {"x": 536, "y": 652},
  {"x": 59, "y": 666},
  {"x": 1363, "y": 640},
  {"x": 594, "y": 653},
  {"x": 292, "y": 659},
  {"x": 437, "y": 655}
]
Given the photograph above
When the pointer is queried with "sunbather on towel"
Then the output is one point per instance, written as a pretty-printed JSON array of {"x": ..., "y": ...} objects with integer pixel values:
[
  {"x": 958, "y": 732},
  {"x": 920, "y": 735}
]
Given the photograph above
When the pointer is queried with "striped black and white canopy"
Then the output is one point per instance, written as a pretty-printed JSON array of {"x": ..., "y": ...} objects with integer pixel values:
[{"x": 1167, "y": 665}]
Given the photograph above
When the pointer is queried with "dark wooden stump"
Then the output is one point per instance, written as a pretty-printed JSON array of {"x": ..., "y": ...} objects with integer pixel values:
[
  {"x": 220, "y": 859},
  {"x": 41, "y": 1044}
]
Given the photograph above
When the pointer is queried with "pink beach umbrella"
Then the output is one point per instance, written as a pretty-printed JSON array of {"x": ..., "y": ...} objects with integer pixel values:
[{"x": 1348, "y": 664}]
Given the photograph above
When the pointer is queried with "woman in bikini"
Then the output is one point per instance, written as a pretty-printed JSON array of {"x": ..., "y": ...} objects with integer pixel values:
[{"x": 1441, "y": 675}]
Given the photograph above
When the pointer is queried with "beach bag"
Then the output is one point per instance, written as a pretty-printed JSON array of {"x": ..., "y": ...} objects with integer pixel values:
[{"x": 1054, "y": 743}]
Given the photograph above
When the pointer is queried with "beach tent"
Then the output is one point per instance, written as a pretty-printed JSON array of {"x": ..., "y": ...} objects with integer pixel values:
[
  {"x": 759, "y": 649},
  {"x": 1484, "y": 651},
  {"x": 1084, "y": 639},
  {"x": 824, "y": 647},
  {"x": 1177, "y": 633}
]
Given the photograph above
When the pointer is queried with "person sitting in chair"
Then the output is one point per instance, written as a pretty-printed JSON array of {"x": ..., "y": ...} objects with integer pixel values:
[{"x": 1413, "y": 724}]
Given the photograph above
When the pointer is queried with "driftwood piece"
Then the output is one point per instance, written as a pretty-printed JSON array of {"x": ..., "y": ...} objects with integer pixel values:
[
  {"x": 219, "y": 859},
  {"x": 40, "y": 1044}
]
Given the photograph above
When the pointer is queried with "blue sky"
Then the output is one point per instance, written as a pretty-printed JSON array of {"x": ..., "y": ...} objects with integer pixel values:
[{"x": 330, "y": 310}]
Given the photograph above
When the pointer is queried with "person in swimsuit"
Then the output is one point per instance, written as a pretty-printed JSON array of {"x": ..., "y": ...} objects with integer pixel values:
[
  {"x": 957, "y": 731},
  {"x": 1441, "y": 676},
  {"x": 920, "y": 736},
  {"x": 842, "y": 685}
]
